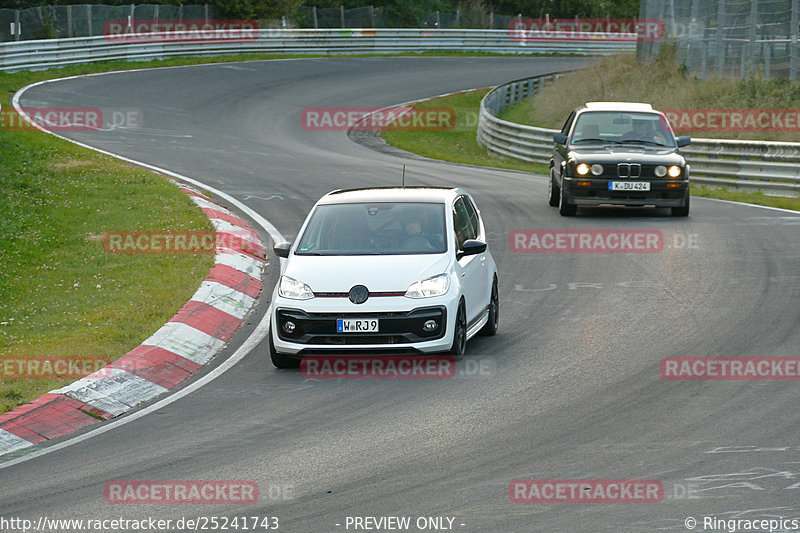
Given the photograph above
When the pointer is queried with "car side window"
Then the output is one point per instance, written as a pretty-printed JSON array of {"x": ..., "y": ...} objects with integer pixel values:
[
  {"x": 568, "y": 124},
  {"x": 462, "y": 223},
  {"x": 474, "y": 219}
]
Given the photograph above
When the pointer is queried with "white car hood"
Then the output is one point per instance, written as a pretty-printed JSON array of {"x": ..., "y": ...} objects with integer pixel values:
[{"x": 379, "y": 273}]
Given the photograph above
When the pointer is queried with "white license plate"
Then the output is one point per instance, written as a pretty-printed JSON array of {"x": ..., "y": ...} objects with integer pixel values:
[
  {"x": 628, "y": 185},
  {"x": 357, "y": 325}
]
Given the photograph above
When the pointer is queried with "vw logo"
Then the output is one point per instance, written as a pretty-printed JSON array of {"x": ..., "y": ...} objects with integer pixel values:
[{"x": 359, "y": 294}]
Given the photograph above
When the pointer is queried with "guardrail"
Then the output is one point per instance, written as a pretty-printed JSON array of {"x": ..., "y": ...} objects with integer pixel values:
[
  {"x": 773, "y": 167},
  {"x": 43, "y": 54}
]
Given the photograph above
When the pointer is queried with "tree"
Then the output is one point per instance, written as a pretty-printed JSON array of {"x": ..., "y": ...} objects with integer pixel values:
[{"x": 256, "y": 9}]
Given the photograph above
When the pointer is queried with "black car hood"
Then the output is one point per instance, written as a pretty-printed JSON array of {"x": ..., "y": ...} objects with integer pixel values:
[{"x": 618, "y": 153}]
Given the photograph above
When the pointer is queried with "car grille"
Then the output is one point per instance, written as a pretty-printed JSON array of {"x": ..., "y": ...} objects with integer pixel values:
[
  {"x": 629, "y": 170},
  {"x": 394, "y": 327}
]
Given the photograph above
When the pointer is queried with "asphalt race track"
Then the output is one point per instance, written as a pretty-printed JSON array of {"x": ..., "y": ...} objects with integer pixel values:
[{"x": 569, "y": 389}]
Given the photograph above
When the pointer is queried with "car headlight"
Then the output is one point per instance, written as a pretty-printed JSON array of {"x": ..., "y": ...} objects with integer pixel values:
[
  {"x": 582, "y": 169},
  {"x": 294, "y": 290},
  {"x": 661, "y": 171},
  {"x": 674, "y": 171},
  {"x": 597, "y": 169},
  {"x": 429, "y": 287}
]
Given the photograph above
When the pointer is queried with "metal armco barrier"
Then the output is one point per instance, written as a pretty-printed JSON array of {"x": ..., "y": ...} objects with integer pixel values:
[
  {"x": 43, "y": 54},
  {"x": 773, "y": 167}
]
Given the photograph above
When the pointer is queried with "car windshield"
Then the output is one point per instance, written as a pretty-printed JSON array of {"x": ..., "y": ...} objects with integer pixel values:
[
  {"x": 623, "y": 127},
  {"x": 380, "y": 228}
]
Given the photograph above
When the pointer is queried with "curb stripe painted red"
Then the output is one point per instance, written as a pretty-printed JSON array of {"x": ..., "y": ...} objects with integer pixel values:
[{"x": 197, "y": 332}]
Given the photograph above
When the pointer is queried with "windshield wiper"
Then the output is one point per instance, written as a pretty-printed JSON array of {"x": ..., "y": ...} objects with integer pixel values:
[
  {"x": 596, "y": 140},
  {"x": 642, "y": 141}
]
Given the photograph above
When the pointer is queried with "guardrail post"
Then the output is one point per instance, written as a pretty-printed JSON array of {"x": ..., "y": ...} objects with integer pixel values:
[
  {"x": 89, "y": 18},
  {"x": 314, "y": 17},
  {"x": 720, "y": 32},
  {"x": 341, "y": 15},
  {"x": 17, "y": 29},
  {"x": 372, "y": 17},
  {"x": 703, "y": 59},
  {"x": 69, "y": 21},
  {"x": 793, "y": 42},
  {"x": 743, "y": 63},
  {"x": 205, "y": 12},
  {"x": 751, "y": 44}
]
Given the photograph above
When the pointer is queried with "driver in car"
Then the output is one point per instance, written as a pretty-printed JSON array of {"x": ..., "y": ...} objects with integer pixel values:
[
  {"x": 413, "y": 237},
  {"x": 643, "y": 131}
]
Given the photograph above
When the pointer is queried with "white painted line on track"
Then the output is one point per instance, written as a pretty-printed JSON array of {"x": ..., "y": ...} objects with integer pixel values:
[
  {"x": 781, "y": 209},
  {"x": 255, "y": 338},
  {"x": 261, "y": 329}
]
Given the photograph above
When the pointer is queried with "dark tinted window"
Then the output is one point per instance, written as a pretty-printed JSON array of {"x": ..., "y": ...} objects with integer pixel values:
[{"x": 462, "y": 222}]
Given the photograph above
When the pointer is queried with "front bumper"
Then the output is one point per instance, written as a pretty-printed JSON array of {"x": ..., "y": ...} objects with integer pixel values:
[
  {"x": 662, "y": 193},
  {"x": 400, "y": 328}
]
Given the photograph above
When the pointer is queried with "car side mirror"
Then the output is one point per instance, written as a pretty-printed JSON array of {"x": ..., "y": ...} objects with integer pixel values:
[
  {"x": 683, "y": 140},
  {"x": 471, "y": 247},
  {"x": 282, "y": 249},
  {"x": 559, "y": 138}
]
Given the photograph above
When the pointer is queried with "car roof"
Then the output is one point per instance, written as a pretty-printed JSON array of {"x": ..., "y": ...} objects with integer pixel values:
[
  {"x": 618, "y": 106},
  {"x": 392, "y": 194}
]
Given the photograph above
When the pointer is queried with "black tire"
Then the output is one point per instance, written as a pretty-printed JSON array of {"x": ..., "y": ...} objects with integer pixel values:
[
  {"x": 490, "y": 328},
  {"x": 566, "y": 209},
  {"x": 554, "y": 193},
  {"x": 278, "y": 359},
  {"x": 459, "y": 346},
  {"x": 682, "y": 211}
]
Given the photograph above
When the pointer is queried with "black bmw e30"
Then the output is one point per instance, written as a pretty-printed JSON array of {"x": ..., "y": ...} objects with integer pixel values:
[{"x": 618, "y": 153}]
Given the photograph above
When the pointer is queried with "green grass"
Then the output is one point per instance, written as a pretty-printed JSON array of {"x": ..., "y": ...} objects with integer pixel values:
[
  {"x": 609, "y": 79},
  {"x": 662, "y": 83},
  {"x": 756, "y": 197},
  {"x": 63, "y": 295},
  {"x": 458, "y": 144}
]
